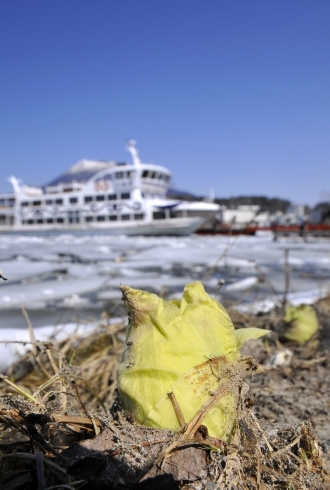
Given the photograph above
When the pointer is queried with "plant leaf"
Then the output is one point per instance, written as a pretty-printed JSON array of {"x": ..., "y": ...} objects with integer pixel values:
[
  {"x": 210, "y": 318},
  {"x": 244, "y": 334},
  {"x": 184, "y": 347}
]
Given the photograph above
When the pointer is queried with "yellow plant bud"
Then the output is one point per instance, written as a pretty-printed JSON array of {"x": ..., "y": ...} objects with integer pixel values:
[
  {"x": 300, "y": 323},
  {"x": 189, "y": 348}
]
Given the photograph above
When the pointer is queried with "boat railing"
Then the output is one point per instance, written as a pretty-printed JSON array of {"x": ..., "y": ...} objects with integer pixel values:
[{"x": 61, "y": 188}]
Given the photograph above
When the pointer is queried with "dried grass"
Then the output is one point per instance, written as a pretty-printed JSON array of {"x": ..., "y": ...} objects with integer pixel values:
[{"x": 61, "y": 392}]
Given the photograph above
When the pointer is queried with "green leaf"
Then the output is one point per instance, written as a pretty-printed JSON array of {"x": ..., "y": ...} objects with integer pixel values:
[{"x": 244, "y": 334}]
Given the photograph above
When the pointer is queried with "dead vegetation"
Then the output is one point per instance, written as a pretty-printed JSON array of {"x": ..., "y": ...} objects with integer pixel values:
[{"x": 62, "y": 425}]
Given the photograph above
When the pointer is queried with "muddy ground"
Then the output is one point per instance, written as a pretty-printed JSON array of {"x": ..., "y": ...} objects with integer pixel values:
[
  {"x": 286, "y": 409},
  {"x": 299, "y": 391}
]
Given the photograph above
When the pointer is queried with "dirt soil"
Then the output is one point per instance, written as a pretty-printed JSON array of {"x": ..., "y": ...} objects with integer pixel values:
[
  {"x": 282, "y": 439},
  {"x": 300, "y": 390}
]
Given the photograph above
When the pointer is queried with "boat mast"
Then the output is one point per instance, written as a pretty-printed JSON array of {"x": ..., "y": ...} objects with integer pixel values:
[
  {"x": 133, "y": 151},
  {"x": 15, "y": 184}
]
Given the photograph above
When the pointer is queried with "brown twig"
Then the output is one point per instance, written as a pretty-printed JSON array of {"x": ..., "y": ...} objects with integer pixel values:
[
  {"x": 1, "y": 276},
  {"x": 177, "y": 409},
  {"x": 197, "y": 420},
  {"x": 224, "y": 253},
  {"x": 286, "y": 277},
  {"x": 74, "y": 419}
]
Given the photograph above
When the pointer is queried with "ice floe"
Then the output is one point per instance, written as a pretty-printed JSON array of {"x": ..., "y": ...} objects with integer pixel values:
[
  {"x": 16, "y": 342},
  {"x": 242, "y": 285},
  {"x": 80, "y": 271}
]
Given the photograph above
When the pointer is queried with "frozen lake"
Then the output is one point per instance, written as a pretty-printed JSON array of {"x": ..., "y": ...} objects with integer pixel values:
[
  {"x": 66, "y": 282},
  {"x": 74, "y": 277}
]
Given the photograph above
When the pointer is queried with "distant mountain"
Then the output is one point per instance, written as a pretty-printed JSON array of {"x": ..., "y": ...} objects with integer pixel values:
[{"x": 182, "y": 195}]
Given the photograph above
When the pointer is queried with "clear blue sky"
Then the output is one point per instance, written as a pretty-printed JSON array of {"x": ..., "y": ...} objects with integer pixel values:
[{"x": 232, "y": 95}]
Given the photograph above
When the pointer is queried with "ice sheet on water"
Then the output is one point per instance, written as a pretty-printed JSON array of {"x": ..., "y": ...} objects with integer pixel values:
[
  {"x": 295, "y": 299},
  {"x": 82, "y": 270},
  {"x": 15, "y": 342},
  {"x": 22, "y": 268},
  {"x": 158, "y": 283},
  {"x": 318, "y": 263},
  {"x": 13, "y": 296},
  {"x": 127, "y": 272},
  {"x": 109, "y": 295},
  {"x": 168, "y": 253},
  {"x": 98, "y": 264},
  {"x": 15, "y": 338},
  {"x": 242, "y": 285}
]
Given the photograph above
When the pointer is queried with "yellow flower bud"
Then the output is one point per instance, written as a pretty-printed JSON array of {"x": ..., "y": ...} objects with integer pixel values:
[
  {"x": 188, "y": 348},
  {"x": 300, "y": 323}
]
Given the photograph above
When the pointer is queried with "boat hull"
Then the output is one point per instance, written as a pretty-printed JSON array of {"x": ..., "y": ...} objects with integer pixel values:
[{"x": 167, "y": 227}]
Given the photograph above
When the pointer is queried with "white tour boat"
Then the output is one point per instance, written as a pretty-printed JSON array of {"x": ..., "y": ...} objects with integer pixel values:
[{"x": 98, "y": 196}]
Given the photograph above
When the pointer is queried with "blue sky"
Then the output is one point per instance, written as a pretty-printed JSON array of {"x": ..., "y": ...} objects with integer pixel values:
[{"x": 232, "y": 95}]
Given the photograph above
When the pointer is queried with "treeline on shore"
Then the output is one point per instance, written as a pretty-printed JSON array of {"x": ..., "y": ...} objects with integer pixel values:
[{"x": 271, "y": 204}]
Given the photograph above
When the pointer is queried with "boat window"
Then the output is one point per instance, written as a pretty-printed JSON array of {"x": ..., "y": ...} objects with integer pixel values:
[
  {"x": 30, "y": 221},
  {"x": 145, "y": 173},
  {"x": 176, "y": 214},
  {"x": 89, "y": 218},
  {"x": 48, "y": 202},
  {"x": 2, "y": 202},
  {"x": 60, "y": 220},
  {"x": 40, "y": 221},
  {"x": 125, "y": 195},
  {"x": 125, "y": 217},
  {"x": 73, "y": 200},
  {"x": 100, "y": 218},
  {"x": 104, "y": 177},
  {"x": 119, "y": 175},
  {"x": 50, "y": 220},
  {"x": 100, "y": 197},
  {"x": 195, "y": 214},
  {"x": 23, "y": 203},
  {"x": 58, "y": 201},
  {"x": 158, "y": 215},
  {"x": 152, "y": 175},
  {"x": 73, "y": 216},
  {"x": 36, "y": 203},
  {"x": 113, "y": 218},
  {"x": 131, "y": 173},
  {"x": 88, "y": 198},
  {"x": 112, "y": 197},
  {"x": 11, "y": 201},
  {"x": 138, "y": 216}
]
